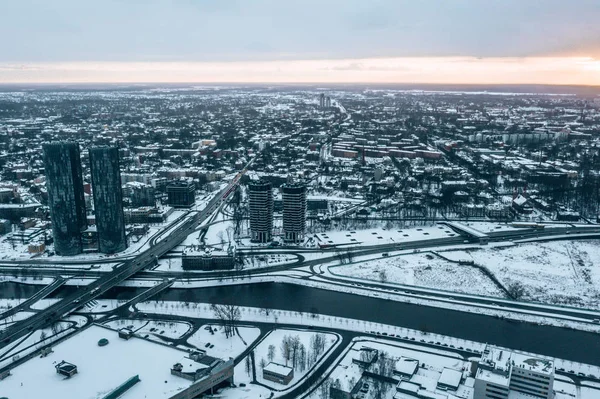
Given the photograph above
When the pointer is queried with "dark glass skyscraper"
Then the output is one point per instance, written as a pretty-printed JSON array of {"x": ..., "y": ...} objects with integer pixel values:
[
  {"x": 260, "y": 195},
  {"x": 294, "y": 212},
  {"x": 65, "y": 196},
  {"x": 108, "y": 199}
]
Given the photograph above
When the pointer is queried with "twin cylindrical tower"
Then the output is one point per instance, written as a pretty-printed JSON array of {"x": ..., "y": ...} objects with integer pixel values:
[
  {"x": 260, "y": 195},
  {"x": 64, "y": 182}
]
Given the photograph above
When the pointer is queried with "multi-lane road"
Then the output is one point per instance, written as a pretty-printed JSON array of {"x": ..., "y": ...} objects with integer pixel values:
[{"x": 120, "y": 273}]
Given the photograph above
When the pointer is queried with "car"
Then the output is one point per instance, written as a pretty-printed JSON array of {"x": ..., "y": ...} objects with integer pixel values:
[
  {"x": 207, "y": 345},
  {"x": 385, "y": 254},
  {"x": 581, "y": 374}
]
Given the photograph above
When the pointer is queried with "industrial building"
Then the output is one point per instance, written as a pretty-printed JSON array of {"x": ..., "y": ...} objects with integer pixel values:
[
  {"x": 502, "y": 374},
  {"x": 64, "y": 183},
  {"x": 194, "y": 258},
  {"x": 260, "y": 195},
  {"x": 108, "y": 199},
  {"x": 294, "y": 212},
  {"x": 181, "y": 194}
]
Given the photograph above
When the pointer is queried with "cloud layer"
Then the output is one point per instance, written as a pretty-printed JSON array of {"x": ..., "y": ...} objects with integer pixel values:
[{"x": 256, "y": 30}]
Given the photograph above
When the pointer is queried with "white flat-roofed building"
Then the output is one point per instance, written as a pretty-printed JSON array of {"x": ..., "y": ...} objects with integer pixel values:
[
  {"x": 449, "y": 380},
  {"x": 278, "y": 373},
  {"x": 503, "y": 374},
  {"x": 406, "y": 368}
]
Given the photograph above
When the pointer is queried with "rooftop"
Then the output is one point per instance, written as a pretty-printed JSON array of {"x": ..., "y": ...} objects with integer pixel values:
[
  {"x": 534, "y": 364},
  {"x": 450, "y": 378},
  {"x": 101, "y": 369},
  {"x": 278, "y": 369}
]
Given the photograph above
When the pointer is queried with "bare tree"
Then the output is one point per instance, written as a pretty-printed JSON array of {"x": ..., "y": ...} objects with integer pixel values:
[
  {"x": 294, "y": 347},
  {"x": 271, "y": 352},
  {"x": 317, "y": 347},
  {"x": 516, "y": 290},
  {"x": 228, "y": 316},
  {"x": 383, "y": 276},
  {"x": 302, "y": 357},
  {"x": 286, "y": 348},
  {"x": 248, "y": 365},
  {"x": 350, "y": 256},
  {"x": 324, "y": 389}
]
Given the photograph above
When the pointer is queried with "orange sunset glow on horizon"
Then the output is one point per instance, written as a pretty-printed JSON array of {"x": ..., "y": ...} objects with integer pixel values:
[{"x": 435, "y": 70}]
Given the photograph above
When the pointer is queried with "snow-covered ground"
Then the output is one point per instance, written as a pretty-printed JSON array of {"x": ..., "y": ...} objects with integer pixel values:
[
  {"x": 37, "y": 339},
  {"x": 423, "y": 270},
  {"x": 100, "y": 369},
  {"x": 14, "y": 318},
  {"x": 275, "y": 338},
  {"x": 250, "y": 314},
  {"x": 558, "y": 272},
  {"x": 218, "y": 345},
  {"x": 152, "y": 329}
]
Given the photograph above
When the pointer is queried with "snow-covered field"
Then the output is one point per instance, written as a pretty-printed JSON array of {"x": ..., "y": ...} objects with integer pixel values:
[
  {"x": 423, "y": 270},
  {"x": 558, "y": 272},
  {"x": 152, "y": 329},
  {"x": 219, "y": 345}
]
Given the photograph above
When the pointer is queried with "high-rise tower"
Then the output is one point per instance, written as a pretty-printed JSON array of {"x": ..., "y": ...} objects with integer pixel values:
[
  {"x": 294, "y": 212},
  {"x": 108, "y": 199},
  {"x": 64, "y": 183},
  {"x": 260, "y": 195}
]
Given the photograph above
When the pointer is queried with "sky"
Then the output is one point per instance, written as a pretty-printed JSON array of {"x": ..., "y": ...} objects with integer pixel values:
[{"x": 424, "y": 41}]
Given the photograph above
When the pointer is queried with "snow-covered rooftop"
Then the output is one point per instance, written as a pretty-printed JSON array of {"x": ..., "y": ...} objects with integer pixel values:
[
  {"x": 278, "y": 369},
  {"x": 534, "y": 364},
  {"x": 450, "y": 377},
  {"x": 100, "y": 369}
]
